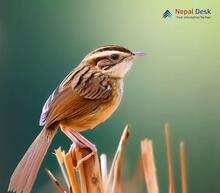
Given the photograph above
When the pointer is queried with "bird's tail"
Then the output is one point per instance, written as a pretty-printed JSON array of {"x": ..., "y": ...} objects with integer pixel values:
[{"x": 26, "y": 171}]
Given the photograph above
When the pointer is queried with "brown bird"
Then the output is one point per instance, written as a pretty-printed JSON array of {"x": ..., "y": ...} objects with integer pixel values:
[{"x": 84, "y": 99}]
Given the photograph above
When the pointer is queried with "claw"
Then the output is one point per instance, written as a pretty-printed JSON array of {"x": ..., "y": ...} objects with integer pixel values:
[
  {"x": 86, "y": 158},
  {"x": 81, "y": 142}
]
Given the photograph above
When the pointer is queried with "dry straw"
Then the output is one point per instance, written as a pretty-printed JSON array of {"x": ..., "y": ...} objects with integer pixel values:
[{"x": 92, "y": 176}]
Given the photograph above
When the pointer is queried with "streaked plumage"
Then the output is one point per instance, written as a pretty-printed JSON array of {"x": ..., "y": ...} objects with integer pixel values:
[{"x": 84, "y": 99}]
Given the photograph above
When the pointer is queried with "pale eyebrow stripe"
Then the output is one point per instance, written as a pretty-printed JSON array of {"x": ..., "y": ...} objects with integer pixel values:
[
  {"x": 112, "y": 48},
  {"x": 103, "y": 54}
]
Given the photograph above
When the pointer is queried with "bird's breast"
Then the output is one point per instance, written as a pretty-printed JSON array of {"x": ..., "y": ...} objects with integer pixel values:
[
  {"x": 102, "y": 113},
  {"x": 106, "y": 110}
]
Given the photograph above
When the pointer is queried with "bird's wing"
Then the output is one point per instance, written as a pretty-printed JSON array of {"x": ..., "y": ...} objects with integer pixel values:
[
  {"x": 57, "y": 92},
  {"x": 93, "y": 86},
  {"x": 79, "y": 98},
  {"x": 47, "y": 107}
]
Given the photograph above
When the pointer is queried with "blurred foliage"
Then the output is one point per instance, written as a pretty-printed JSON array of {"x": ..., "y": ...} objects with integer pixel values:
[{"x": 178, "y": 81}]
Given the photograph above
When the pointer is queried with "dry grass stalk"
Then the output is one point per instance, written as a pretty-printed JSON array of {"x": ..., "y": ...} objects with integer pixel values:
[
  {"x": 89, "y": 172},
  {"x": 92, "y": 179},
  {"x": 114, "y": 178},
  {"x": 71, "y": 173},
  {"x": 183, "y": 167},
  {"x": 57, "y": 183},
  {"x": 60, "y": 159},
  {"x": 169, "y": 158},
  {"x": 104, "y": 170},
  {"x": 149, "y": 167}
]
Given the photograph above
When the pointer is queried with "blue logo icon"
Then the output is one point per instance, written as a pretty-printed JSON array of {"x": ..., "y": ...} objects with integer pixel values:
[{"x": 166, "y": 14}]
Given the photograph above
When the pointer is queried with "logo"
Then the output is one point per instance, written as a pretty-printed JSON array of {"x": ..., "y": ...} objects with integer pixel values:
[
  {"x": 166, "y": 14},
  {"x": 192, "y": 13}
]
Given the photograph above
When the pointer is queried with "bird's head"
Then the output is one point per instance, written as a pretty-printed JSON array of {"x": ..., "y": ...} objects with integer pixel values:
[{"x": 112, "y": 60}]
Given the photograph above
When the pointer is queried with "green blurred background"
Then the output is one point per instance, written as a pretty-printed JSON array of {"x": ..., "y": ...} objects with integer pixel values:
[{"x": 178, "y": 82}]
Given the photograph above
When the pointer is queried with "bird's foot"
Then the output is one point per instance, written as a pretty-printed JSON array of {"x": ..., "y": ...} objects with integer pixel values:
[
  {"x": 81, "y": 142},
  {"x": 87, "y": 157}
]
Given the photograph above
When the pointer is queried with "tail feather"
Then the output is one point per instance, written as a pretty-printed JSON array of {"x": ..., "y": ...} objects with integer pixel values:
[{"x": 26, "y": 171}]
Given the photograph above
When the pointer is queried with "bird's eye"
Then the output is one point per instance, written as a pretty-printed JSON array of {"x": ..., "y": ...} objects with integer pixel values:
[{"x": 114, "y": 56}]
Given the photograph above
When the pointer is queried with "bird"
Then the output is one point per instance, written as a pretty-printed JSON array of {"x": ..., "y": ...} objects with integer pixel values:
[{"x": 86, "y": 97}]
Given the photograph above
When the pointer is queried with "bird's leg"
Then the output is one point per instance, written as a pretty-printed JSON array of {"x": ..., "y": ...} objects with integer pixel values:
[
  {"x": 72, "y": 137},
  {"x": 87, "y": 143}
]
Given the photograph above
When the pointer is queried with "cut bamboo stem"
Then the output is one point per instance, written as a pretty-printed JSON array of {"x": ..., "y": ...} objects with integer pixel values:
[
  {"x": 59, "y": 155},
  {"x": 81, "y": 171},
  {"x": 169, "y": 158},
  {"x": 71, "y": 173},
  {"x": 183, "y": 167},
  {"x": 149, "y": 166},
  {"x": 93, "y": 173},
  {"x": 89, "y": 172}
]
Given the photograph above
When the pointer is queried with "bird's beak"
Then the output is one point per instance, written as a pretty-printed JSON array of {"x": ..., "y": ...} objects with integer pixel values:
[{"x": 138, "y": 54}]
